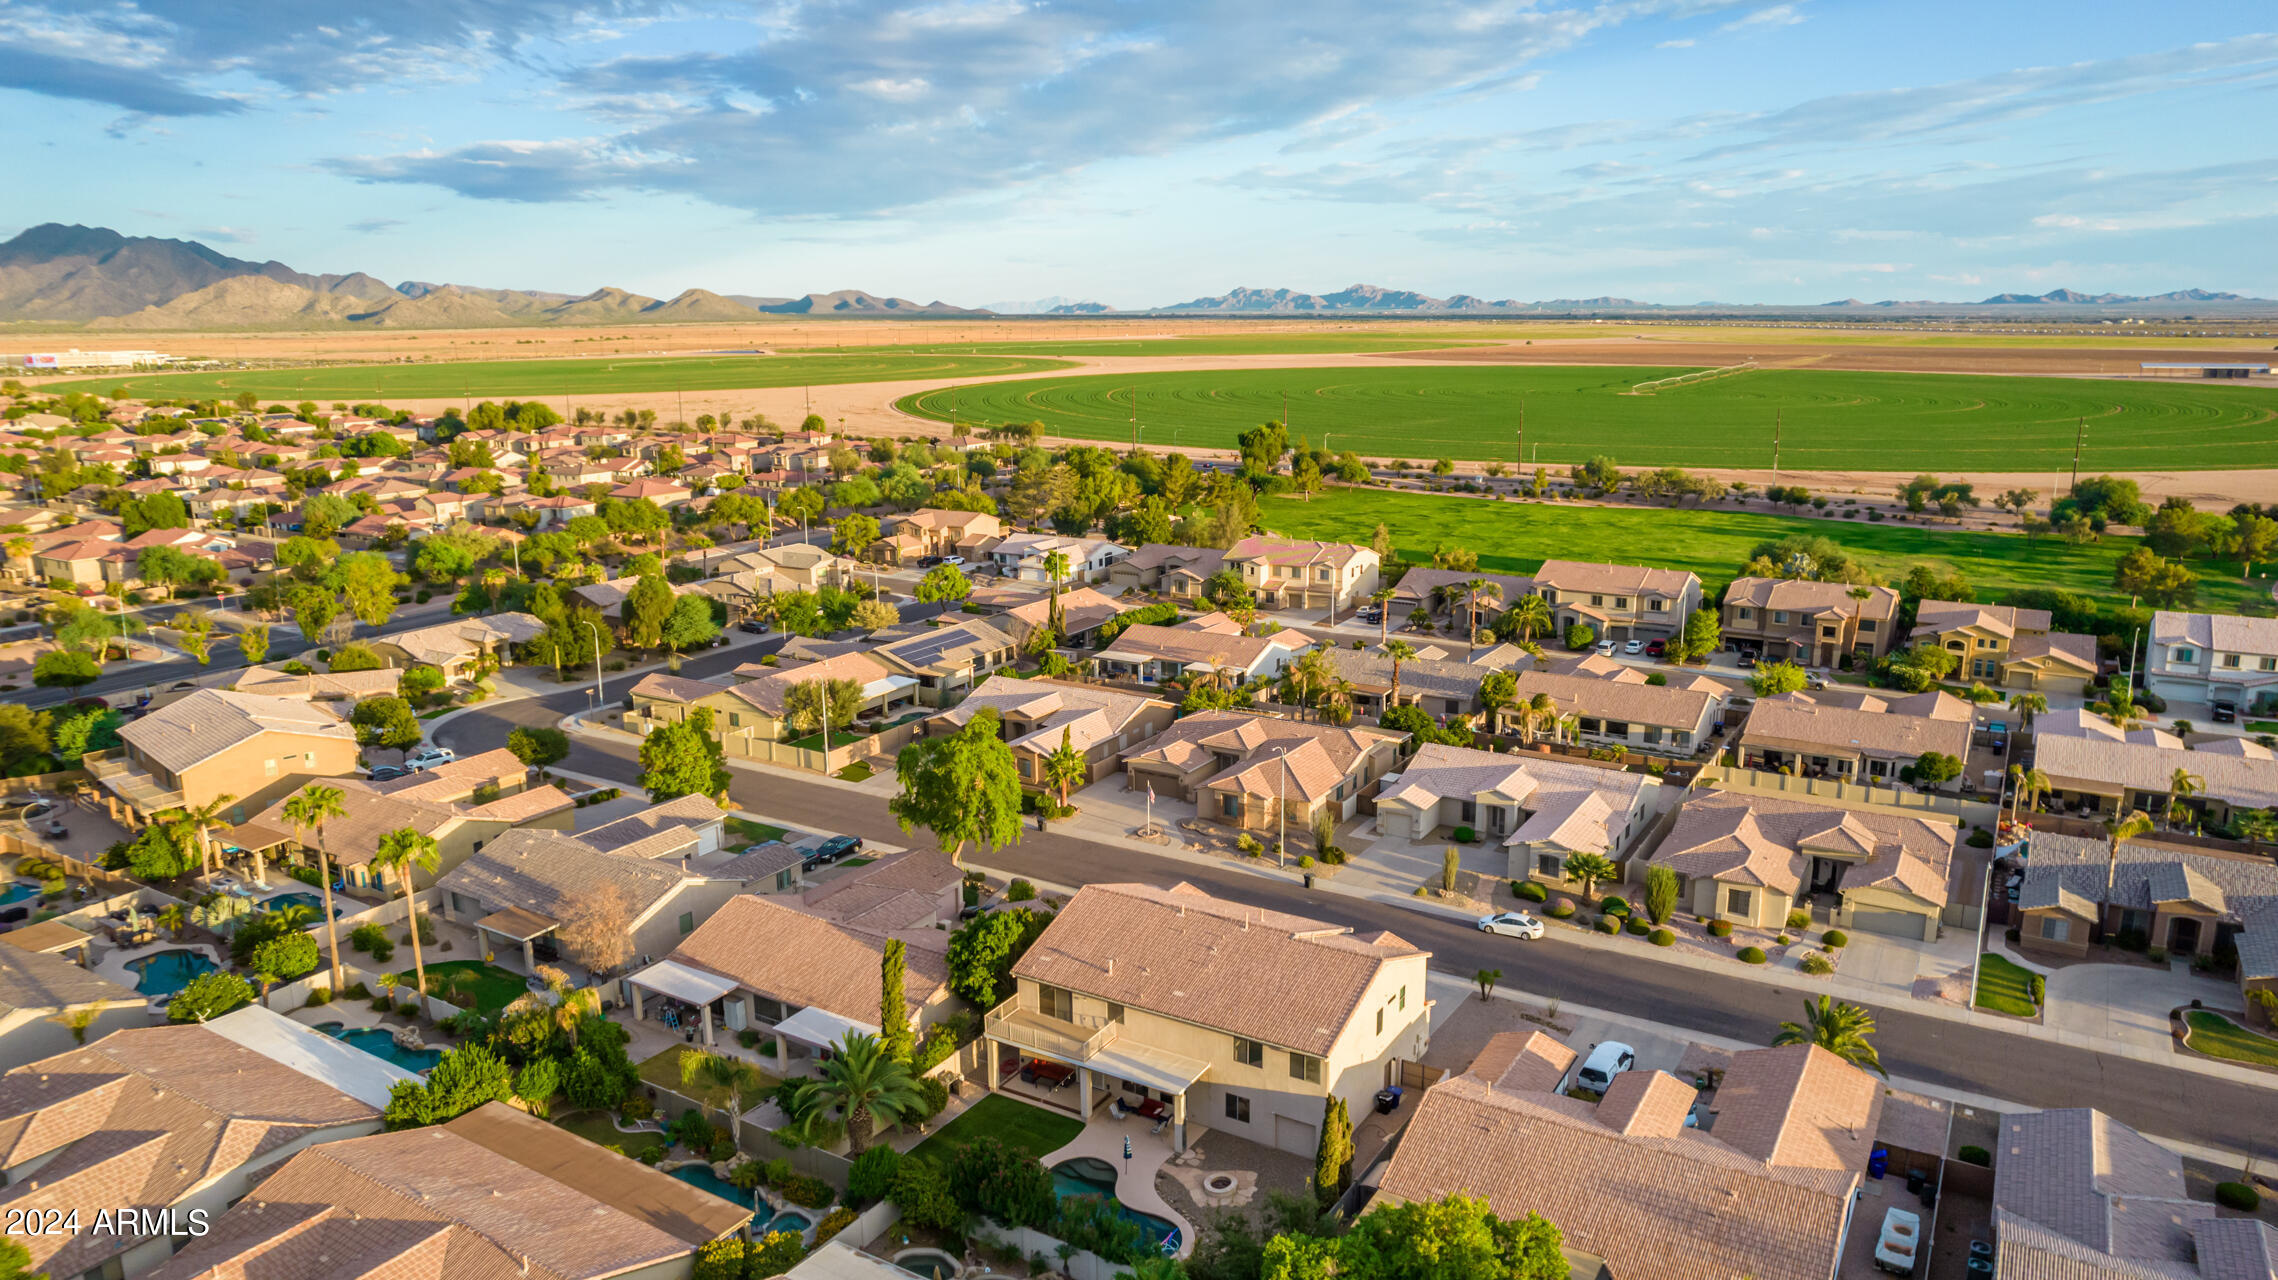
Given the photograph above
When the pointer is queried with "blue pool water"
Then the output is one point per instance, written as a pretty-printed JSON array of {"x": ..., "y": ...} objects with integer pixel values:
[
  {"x": 790, "y": 1220},
  {"x": 380, "y": 1043},
  {"x": 701, "y": 1177},
  {"x": 16, "y": 891},
  {"x": 1084, "y": 1176},
  {"x": 163, "y": 973},
  {"x": 308, "y": 899}
]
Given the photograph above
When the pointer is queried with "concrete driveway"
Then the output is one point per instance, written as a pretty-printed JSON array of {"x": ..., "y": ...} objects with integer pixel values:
[
  {"x": 1893, "y": 964},
  {"x": 2127, "y": 1001}
]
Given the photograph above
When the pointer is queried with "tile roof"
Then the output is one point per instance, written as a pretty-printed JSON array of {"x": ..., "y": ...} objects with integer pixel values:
[
  {"x": 2084, "y": 1177},
  {"x": 1579, "y": 575},
  {"x": 1318, "y": 756},
  {"x": 1266, "y": 548},
  {"x": 1081, "y": 609},
  {"x": 804, "y": 959},
  {"x": 1371, "y": 672},
  {"x": 2085, "y": 748},
  {"x": 2221, "y": 632},
  {"x": 680, "y": 814},
  {"x": 1801, "y": 595},
  {"x": 548, "y": 871},
  {"x": 208, "y": 722},
  {"x": 1183, "y": 954},
  {"x": 1932, "y": 617},
  {"x": 1192, "y": 644},
  {"x": 461, "y": 637},
  {"x": 38, "y": 981},
  {"x": 1091, "y": 714},
  {"x": 1568, "y": 803},
  {"x": 2071, "y": 872},
  {"x": 1768, "y": 840},
  {"x": 1665, "y": 706},
  {"x": 1168, "y": 556},
  {"x": 1847, "y": 721}
]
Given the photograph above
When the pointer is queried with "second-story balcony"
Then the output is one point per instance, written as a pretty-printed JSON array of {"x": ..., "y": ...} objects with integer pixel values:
[
  {"x": 130, "y": 782},
  {"x": 1042, "y": 1033}
]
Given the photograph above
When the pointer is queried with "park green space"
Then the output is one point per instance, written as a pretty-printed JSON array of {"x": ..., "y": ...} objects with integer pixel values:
[
  {"x": 1825, "y": 419},
  {"x": 1229, "y": 344},
  {"x": 2005, "y": 986},
  {"x": 546, "y": 379},
  {"x": 1516, "y": 537}
]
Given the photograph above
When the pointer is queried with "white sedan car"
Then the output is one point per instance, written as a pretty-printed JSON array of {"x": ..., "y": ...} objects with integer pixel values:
[{"x": 1514, "y": 924}]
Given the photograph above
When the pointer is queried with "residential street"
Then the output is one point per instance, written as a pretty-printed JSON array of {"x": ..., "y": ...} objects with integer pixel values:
[{"x": 2176, "y": 1104}]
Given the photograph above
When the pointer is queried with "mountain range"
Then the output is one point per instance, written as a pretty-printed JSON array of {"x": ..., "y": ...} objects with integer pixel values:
[{"x": 54, "y": 274}]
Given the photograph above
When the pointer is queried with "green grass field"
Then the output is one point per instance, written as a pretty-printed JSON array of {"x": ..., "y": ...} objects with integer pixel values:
[
  {"x": 1032, "y": 1131},
  {"x": 2005, "y": 987},
  {"x": 600, "y": 376},
  {"x": 1829, "y": 419},
  {"x": 2214, "y": 1034},
  {"x": 1516, "y": 537},
  {"x": 1233, "y": 344}
]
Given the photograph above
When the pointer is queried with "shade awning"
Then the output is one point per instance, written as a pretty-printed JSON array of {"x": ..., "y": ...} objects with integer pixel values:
[
  {"x": 1144, "y": 1064},
  {"x": 249, "y": 836},
  {"x": 683, "y": 982},
  {"x": 821, "y": 1028},
  {"x": 516, "y": 923}
]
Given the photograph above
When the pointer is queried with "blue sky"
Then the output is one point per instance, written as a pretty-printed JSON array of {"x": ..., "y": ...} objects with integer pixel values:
[{"x": 1145, "y": 152}]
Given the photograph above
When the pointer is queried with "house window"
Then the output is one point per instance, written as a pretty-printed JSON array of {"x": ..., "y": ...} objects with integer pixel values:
[
  {"x": 2056, "y": 928},
  {"x": 1621, "y": 602},
  {"x": 269, "y": 767},
  {"x": 2230, "y": 661},
  {"x": 1597, "y": 600},
  {"x": 1827, "y": 633},
  {"x": 2266, "y": 664},
  {"x": 1657, "y": 606},
  {"x": 1380, "y": 1022},
  {"x": 1056, "y": 1002},
  {"x": 2183, "y": 653},
  {"x": 1249, "y": 1052},
  {"x": 1306, "y": 1067},
  {"x": 1745, "y": 615},
  {"x": 1237, "y": 1108},
  {"x": 1739, "y": 902},
  {"x": 1547, "y": 864},
  {"x": 1866, "y": 626},
  {"x": 688, "y": 922},
  {"x": 1780, "y": 616},
  {"x": 1230, "y": 806},
  {"x": 1403, "y": 997},
  {"x": 1652, "y": 735},
  {"x": 1114, "y": 1011}
]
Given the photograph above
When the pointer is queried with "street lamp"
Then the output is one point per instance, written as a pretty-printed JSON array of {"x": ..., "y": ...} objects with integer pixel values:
[{"x": 599, "y": 693}]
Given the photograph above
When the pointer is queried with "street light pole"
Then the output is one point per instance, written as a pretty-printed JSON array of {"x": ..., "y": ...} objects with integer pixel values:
[{"x": 599, "y": 694}]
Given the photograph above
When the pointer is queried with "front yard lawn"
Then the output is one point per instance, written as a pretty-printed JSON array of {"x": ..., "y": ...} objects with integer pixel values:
[
  {"x": 1032, "y": 1131},
  {"x": 859, "y": 771},
  {"x": 755, "y": 832},
  {"x": 492, "y": 987},
  {"x": 2218, "y": 1036},
  {"x": 597, "y": 1127},
  {"x": 663, "y": 1071},
  {"x": 2005, "y": 986}
]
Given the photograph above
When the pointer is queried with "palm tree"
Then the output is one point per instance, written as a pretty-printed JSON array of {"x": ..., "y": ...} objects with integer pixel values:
[
  {"x": 1382, "y": 599},
  {"x": 401, "y": 851},
  {"x": 1529, "y": 613},
  {"x": 1495, "y": 698},
  {"x": 732, "y": 1077},
  {"x": 2183, "y": 785},
  {"x": 1056, "y": 568},
  {"x": 1840, "y": 1028},
  {"x": 1308, "y": 676},
  {"x": 866, "y": 1084},
  {"x": 2122, "y": 709},
  {"x": 312, "y": 808},
  {"x": 200, "y": 821},
  {"x": 2118, "y": 830},
  {"x": 1472, "y": 590},
  {"x": 2255, "y": 826},
  {"x": 1536, "y": 713},
  {"x": 1337, "y": 701},
  {"x": 572, "y": 1004},
  {"x": 2028, "y": 705},
  {"x": 76, "y": 1021},
  {"x": 1065, "y": 766},
  {"x": 2030, "y": 785},
  {"x": 173, "y": 919},
  {"x": 1590, "y": 868},
  {"x": 1399, "y": 651}
]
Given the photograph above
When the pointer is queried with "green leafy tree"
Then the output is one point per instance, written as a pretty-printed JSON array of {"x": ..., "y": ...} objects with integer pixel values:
[
  {"x": 253, "y": 643},
  {"x": 89, "y": 729},
  {"x": 62, "y": 668},
  {"x": 690, "y": 623},
  {"x": 1841, "y": 1028},
  {"x": 678, "y": 760},
  {"x": 1333, "y": 1158},
  {"x": 454, "y": 553},
  {"x": 209, "y": 996},
  {"x": 1934, "y": 769},
  {"x": 982, "y": 953},
  {"x": 314, "y": 608},
  {"x": 646, "y": 608},
  {"x": 1777, "y": 678},
  {"x": 1457, "y": 1238},
  {"x": 805, "y": 701},
  {"x": 367, "y": 583},
  {"x": 894, "y": 1033},
  {"x": 944, "y": 582},
  {"x": 465, "y": 1078},
  {"x": 539, "y": 746},
  {"x": 854, "y": 535},
  {"x": 283, "y": 959},
  {"x": 962, "y": 786},
  {"x": 386, "y": 721},
  {"x": 1921, "y": 668},
  {"x": 864, "y": 1084},
  {"x": 1703, "y": 633}
]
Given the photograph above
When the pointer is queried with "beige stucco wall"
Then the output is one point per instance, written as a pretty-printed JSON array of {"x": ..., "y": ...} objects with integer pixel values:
[
  {"x": 1876, "y": 899},
  {"x": 656, "y": 934},
  {"x": 1768, "y": 907},
  {"x": 251, "y": 772}
]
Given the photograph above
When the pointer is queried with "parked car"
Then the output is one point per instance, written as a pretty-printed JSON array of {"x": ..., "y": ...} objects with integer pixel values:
[
  {"x": 1608, "y": 1058},
  {"x": 1901, "y": 1239},
  {"x": 1605, "y": 648},
  {"x": 956, "y": 560},
  {"x": 428, "y": 757},
  {"x": 1747, "y": 659},
  {"x": 2226, "y": 713},
  {"x": 927, "y": 562},
  {"x": 388, "y": 773},
  {"x": 1656, "y": 648},
  {"x": 1634, "y": 647},
  {"x": 755, "y": 626},
  {"x": 831, "y": 850},
  {"x": 1512, "y": 924}
]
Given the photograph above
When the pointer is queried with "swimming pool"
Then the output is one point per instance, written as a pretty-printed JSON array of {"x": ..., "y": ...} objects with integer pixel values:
[
  {"x": 162, "y": 973},
  {"x": 701, "y": 1177},
  {"x": 795, "y": 1221},
  {"x": 380, "y": 1043},
  {"x": 17, "y": 891},
  {"x": 298, "y": 899},
  {"x": 1085, "y": 1176}
]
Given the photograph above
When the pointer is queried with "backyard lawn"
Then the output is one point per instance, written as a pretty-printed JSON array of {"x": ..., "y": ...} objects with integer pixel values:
[
  {"x": 663, "y": 1071},
  {"x": 2005, "y": 987},
  {"x": 1032, "y": 1131},
  {"x": 597, "y": 1127},
  {"x": 755, "y": 832},
  {"x": 492, "y": 987},
  {"x": 2218, "y": 1036}
]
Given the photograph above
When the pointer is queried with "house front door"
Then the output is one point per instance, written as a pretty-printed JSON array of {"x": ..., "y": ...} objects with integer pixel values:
[{"x": 2183, "y": 936}]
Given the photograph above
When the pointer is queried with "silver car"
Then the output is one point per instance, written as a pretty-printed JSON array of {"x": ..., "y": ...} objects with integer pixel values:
[{"x": 1512, "y": 924}]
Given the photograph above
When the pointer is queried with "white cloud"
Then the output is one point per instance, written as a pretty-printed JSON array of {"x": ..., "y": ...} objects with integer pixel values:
[
  {"x": 1779, "y": 15},
  {"x": 1675, "y": 44}
]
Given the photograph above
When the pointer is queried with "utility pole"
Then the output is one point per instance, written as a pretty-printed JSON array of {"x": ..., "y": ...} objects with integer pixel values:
[
  {"x": 1776, "y": 423},
  {"x": 1522, "y": 459},
  {"x": 2079, "y": 434}
]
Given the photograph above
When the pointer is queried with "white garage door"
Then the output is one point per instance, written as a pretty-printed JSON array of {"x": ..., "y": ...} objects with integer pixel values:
[
  {"x": 1295, "y": 1136},
  {"x": 1896, "y": 924}
]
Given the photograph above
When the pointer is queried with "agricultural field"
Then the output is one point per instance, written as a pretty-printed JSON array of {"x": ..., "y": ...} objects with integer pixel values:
[
  {"x": 548, "y": 378},
  {"x": 1231, "y": 344},
  {"x": 1827, "y": 420},
  {"x": 1516, "y": 537}
]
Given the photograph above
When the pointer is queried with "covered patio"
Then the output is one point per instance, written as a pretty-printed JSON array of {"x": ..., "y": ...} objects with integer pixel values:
[
  {"x": 815, "y": 1030},
  {"x": 1149, "y": 1082},
  {"x": 517, "y": 927},
  {"x": 685, "y": 984}
]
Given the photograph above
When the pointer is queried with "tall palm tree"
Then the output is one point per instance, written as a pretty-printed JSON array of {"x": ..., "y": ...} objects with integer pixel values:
[
  {"x": 2028, "y": 786},
  {"x": 866, "y": 1084},
  {"x": 731, "y": 1077},
  {"x": 401, "y": 851},
  {"x": 200, "y": 822},
  {"x": 572, "y": 1004},
  {"x": 2118, "y": 830},
  {"x": 2182, "y": 786},
  {"x": 1472, "y": 590},
  {"x": 1564, "y": 723},
  {"x": 311, "y": 809},
  {"x": 1537, "y": 713},
  {"x": 1309, "y": 676},
  {"x": 1399, "y": 651},
  {"x": 1056, "y": 568},
  {"x": 1529, "y": 613},
  {"x": 1382, "y": 599},
  {"x": 1065, "y": 766},
  {"x": 1840, "y": 1028},
  {"x": 2028, "y": 705}
]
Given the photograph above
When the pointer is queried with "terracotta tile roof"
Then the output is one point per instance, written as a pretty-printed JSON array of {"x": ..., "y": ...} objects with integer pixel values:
[
  {"x": 1629, "y": 579},
  {"x": 2221, "y": 632},
  {"x": 1190, "y": 644},
  {"x": 1664, "y": 706},
  {"x": 1290, "y": 553},
  {"x": 1568, "y": 803},
  {"x": 1183, "y": 954},
  {"x": 546, "y": 871},
  {"x": 804, "y": 959},
  {"x": 2084, "y": 1177},
  {"x": 1898, "y": 728},
  {"x": 1528, "y": 1061},
  {"x": 1801, "y": 596},
  {"x": 767, "y": 693},
  {"x": 1317, "y": 757},
  {"x": 1798, "y": 1106},
  {"x": 40, "y": 982},
  {"x": 1753, "y": 839},
  {"x": 2079, "y": 747},
  {"x": 270, "y": 682},
  {"x": 1201, "y": 561},
  {"x": 1091, "y": 714},
  {"x": 457, "y": 639},
  {"x": 1647, "y": 1104},
  {"x": 210, "y": 721},
  {"x": 673, "y": 815},
  {"x": 1934, "y": 616},
  {"x": 1081, "y": 610}
]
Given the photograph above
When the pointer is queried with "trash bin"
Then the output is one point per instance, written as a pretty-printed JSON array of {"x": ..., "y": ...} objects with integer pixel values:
[
  {"x": 1308, "y": 879},
  {"x": 1388, "y": 1100},
  {"x": 1878, "y": 1163}
]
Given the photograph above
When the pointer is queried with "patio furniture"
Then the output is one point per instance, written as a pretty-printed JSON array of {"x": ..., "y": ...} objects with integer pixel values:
[{"x": 1051, "y": 1075}]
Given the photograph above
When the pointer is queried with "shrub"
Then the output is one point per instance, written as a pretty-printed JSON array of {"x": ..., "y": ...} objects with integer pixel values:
[
  {"x": 1465, "y": 835},
  {"x": 1783, "y": 940},
  {"x": 2157, "y": 955},
  {"x": 806, "y": 1192},
  {"x": 1799, "y": 920},
  {"x": 933, "y": 1094},
  {"x": 1637, "y": 925},
  {"x": 923, "y": 1196},
  {"x": 1978, "y": 1156},
  {"x": 1720, "y": 928},
  {"x": 1817, "y": 965},
  {"x": 2237, "y": 1195},
  {"x": 367, "y": 937},
  {"x": 1662, "y": 938},
  {"x": 1834, "y": 939},
  {"x": 1607, "y": 924},
  {"x": 2040, "y": 988},
  {"x": 1980, "y": 839},
  {"x": 872, "y": 1177},
  {"x": 1559, "y": 910},
  {"x": 1248, "y": 844},
  {"x": 1614, "y": 906},
  {"x": 1529, "y": 891},
  {"x": 1752, "y": 955},
  {"x": 319, "y": 996},
  {"x": 1020, "y": 891},
  {"x": 407, "y": 1010}
]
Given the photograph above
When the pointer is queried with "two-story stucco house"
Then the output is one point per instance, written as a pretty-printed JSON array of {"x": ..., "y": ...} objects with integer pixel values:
[
  {"x": 2213, "y": 657},
  {"x": 215, "y": 743},
  {"x": 1813, "y": 623},
  {"x": 1295, "y": 573},
  {"x": 1221, "y": 1014},
  {"x": 2006, "y": 647}
]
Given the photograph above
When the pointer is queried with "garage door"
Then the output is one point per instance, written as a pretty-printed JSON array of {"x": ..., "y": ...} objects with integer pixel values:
[
  {"x": 1294, "y": 1135},
  {"x": 1896, "y": 924}
]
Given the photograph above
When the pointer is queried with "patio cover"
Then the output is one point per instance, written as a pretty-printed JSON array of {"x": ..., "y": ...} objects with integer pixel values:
[
  {"x": 684, "y": 982},
  {"x": 247, "y": 837},
  {"x": 1147, "y": 1065},
  {"x": 515, "y": 923},
  {"x": 820, "y": 1028},
  {"x": 886, "y": 686}
]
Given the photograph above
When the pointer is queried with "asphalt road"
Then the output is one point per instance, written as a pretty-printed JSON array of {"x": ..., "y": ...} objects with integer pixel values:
[{"x": 2180, "y": 1105}]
